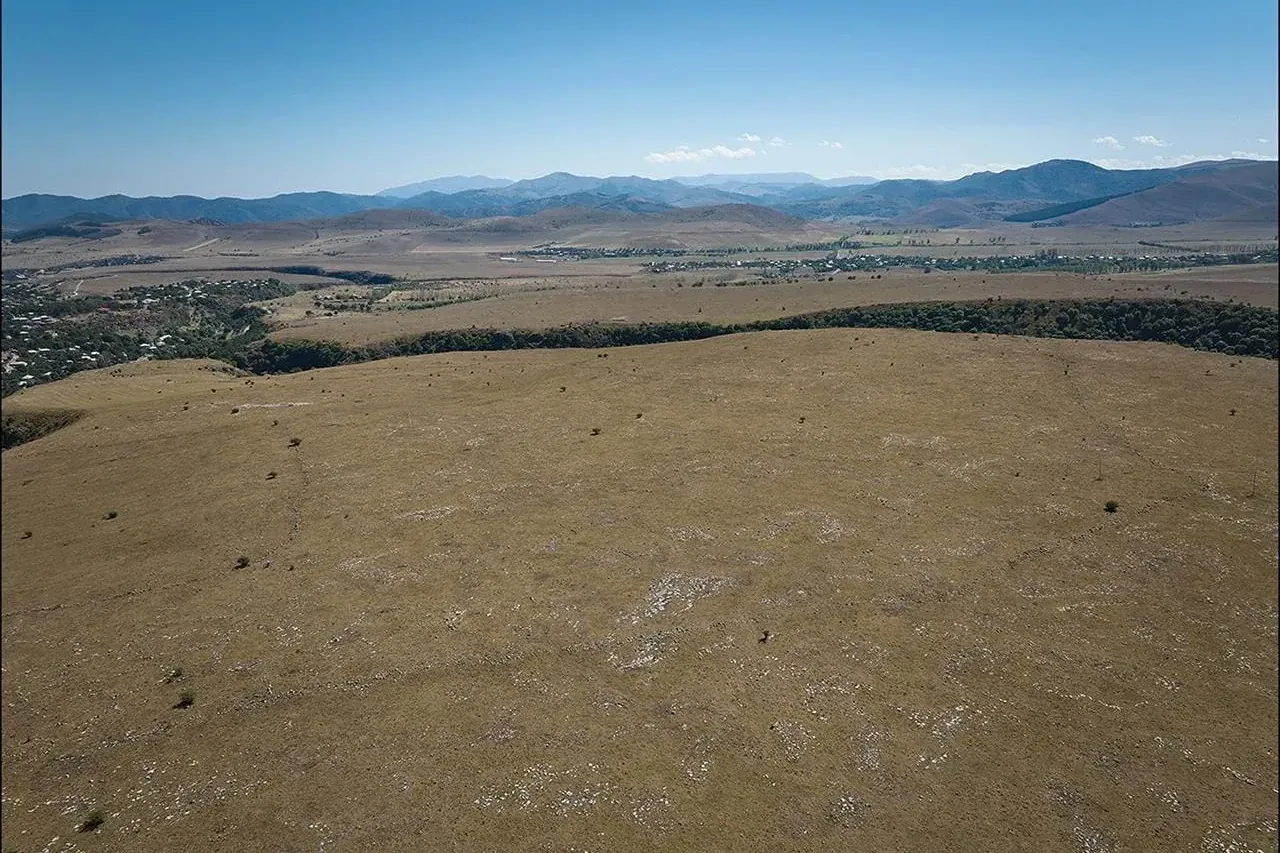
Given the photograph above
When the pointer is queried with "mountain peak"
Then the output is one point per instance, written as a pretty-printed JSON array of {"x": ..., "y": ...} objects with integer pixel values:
[{"x": 447, "y": 185}]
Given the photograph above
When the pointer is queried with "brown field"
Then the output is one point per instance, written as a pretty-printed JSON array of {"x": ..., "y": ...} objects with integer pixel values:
[
  {"x": 548, "y": 302},
  {"x": 471, "y": 250},
  {"x": 833, "y": 590}
]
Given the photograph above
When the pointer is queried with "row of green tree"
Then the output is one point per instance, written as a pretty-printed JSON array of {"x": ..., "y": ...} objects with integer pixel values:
[
  {"x": 1228, "y": 328},
  {"x": 354, "y": 276}
]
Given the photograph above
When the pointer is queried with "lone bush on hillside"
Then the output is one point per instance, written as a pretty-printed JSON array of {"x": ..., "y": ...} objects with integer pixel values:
[
  {"x": 94, "y": 819},
  {"x": 1111, "y": 506}
]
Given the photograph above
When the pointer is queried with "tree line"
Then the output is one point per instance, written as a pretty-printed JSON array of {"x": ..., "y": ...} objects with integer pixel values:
[{"x": 1232, "y": 329}]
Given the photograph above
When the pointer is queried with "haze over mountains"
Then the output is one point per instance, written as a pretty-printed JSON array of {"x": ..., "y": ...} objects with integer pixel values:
[
  {"x": 757, "y": 183},
  {"x": 1058, "y": 191},
  {"x": 449, "y": 184}
]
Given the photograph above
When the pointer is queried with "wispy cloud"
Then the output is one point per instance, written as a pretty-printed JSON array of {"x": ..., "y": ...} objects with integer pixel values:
[
  {"x": 1109, "y": 141},
  {"x": 1151, "y": 140},
  {"x": 945, "y": 173},
  {"x": 749, "y": 137},
  {"x": 777, "y": 142},
  {"x": 685, "y": 154},
  {"x": 1264, "y": 141},
  {"x": 836, "y": 145},
  {"x": 1161, "y": 161}
]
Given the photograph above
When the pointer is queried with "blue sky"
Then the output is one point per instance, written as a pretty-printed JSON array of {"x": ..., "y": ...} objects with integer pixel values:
[{"x": 257, "y": 98}]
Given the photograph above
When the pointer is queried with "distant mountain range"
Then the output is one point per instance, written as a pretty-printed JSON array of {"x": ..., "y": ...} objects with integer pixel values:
[
  {"x": 767, "y": 183},
  {"x": 451, "y": 184},
  {"x": 1246, "y": 193},
  {"x": 757, "y": 183},
  {"x": 1056, "y": 190}
]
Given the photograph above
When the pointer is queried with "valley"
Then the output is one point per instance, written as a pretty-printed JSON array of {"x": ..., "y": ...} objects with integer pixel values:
[{"x": 701, "y": 528}]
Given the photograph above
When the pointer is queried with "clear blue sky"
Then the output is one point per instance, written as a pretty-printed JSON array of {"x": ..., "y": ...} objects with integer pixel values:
[{"x": 257, "y": 98}]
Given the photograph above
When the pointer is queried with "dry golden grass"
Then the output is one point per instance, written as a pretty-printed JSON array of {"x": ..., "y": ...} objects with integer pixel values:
[
  {"x": 485, "y": 628},
  {"x": 529, "y": 304}
]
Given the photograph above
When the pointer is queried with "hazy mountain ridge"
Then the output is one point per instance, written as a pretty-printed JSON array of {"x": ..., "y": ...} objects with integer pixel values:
[
  {"x": 1243, "y": 193},
  {"x": 992, "y": 195},
  {"x": 37, "y": 209},
  {"x": 983, "y": 196},
  {"x": 449, "y": 184}
]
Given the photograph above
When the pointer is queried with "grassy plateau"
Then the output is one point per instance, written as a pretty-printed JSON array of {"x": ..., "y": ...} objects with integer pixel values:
[{"x": 836, "y": 589}]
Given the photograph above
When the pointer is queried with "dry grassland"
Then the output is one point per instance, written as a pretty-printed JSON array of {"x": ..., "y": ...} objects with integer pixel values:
[
  {"x": 833, "y": 590},
  {"x": 545, "y": 303},
  {"x": 472, "y": 250}
]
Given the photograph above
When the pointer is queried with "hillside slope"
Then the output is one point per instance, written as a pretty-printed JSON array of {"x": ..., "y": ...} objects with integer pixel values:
[
  {"x": 801, "y": 590},
  {"x": 990, "y": 195},
  {"x": 1243, "y": 190}
]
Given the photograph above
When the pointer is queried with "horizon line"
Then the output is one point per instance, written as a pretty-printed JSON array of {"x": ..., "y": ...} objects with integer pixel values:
[{"x": 730, "y": 175}]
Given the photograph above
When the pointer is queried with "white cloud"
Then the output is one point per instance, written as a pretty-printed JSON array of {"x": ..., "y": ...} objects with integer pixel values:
[
  {"x": 1264, "y": 141},
  {"x": 777, "y": 142},
  {"x": 749, "y": 137},
  {"x": 685, "y": 154},
  {"x": 945, "y": 173},
  {"x": 836, "y": 145},
  {"x": 1151, "y": 140},
  {"x": 1109, "y": 141},
  {"x": 1160, "y": 161}
]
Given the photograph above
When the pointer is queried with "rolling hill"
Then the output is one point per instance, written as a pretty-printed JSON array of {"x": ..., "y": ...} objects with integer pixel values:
[
  {"x": 788, "y": 591},
  {"x": 1242, "y": 193},
  {"x": 994, "y": 194},
  {"x": 30, "y": 210}
]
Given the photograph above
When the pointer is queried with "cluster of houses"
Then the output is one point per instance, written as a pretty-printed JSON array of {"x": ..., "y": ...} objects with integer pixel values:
[{"x": 40, "y": 347}]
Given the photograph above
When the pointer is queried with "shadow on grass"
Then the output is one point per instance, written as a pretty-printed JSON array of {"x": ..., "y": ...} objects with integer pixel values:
[{"x": 22, "y": 426}]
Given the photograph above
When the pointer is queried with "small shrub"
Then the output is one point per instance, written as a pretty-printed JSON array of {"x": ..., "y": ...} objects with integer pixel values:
[
  {"x": 111, "y": 515},
  {"x": 185, "y": 700},
  {"x": 242, "y": 562},
  {"x": 595, "y": 430},
  {"x": 271, "y": 475},
  {"x": 94, "y": 819},
  {"x": 26, "y": 534},
  {"x": 235, "y": 411},
  {"x": 1111, "y": 506},
  {"x": 294, "y": 442}
]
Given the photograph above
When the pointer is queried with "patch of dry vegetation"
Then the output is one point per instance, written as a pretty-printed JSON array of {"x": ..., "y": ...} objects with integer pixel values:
[
  {"x": 726, "y": 298},
  {"x": 840, "y": 589}
]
